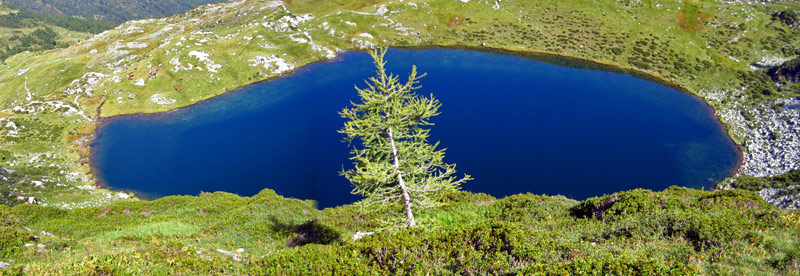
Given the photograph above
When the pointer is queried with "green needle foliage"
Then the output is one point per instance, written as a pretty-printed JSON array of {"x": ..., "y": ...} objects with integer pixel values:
[{"x": 396, "y": 163}]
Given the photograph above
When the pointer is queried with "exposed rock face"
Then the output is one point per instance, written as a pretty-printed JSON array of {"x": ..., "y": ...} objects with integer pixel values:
[
  {"x": 780, "y": 197},
  {"x": 770, "y": 136},
  {"x": 789, "y": 71}
]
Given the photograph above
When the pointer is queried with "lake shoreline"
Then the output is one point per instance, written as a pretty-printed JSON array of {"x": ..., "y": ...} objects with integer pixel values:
[
  {"x": 577, "y": 64},
  {"x": 539, "y": 56},
  {"x": 600, "y": 65}
]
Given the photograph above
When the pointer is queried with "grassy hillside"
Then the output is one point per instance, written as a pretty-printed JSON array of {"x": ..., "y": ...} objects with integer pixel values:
[
  {"x": 674, "y": 232},
  {"x": 24, "y": 30},
  {"x": 117, "y": 11}
]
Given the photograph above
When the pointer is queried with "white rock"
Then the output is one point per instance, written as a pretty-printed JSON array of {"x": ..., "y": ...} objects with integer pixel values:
[
  {"x": 234, "y": 256},
  {"x": 162, "y": 100},
  {"x": 35, "y": 107},
  {"x": 203, "y": 57},
  {"x": 274, "y": 63},
  {"x": 790, "y": 201},
  {"x": 133, "y": 44},
  {"x": 362, "y": 43},
  {"x": 381, "y": 10},
  {"x": 22, "y": 71},
  {"x": 287, "y": 23},
  {"x": 358, "y": 235},
  {"x": 771, "y": 61},
  {"x": 272, "y": 5}
]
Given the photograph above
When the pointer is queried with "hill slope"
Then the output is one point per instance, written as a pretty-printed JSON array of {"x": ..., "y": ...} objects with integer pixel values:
[
  {"x": 117, "y": 11},
  {"x": 675, "y": 232},
  {"x": 24, "y": 30}
]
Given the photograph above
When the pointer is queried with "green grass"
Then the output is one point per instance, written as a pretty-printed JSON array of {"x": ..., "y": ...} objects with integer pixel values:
[
  {"x": 750, "y": 183},
  {"x": 157, "y": 229},
  {"x": 678, "y": 231}
]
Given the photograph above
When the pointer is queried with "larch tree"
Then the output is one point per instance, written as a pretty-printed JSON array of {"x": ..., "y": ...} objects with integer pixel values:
[{"x": 394, "y": 162}]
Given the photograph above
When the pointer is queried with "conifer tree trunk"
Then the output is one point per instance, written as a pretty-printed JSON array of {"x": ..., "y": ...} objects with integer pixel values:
[
  {"x": 389, "y": 122},
  {"x": 404, "y": 190}
]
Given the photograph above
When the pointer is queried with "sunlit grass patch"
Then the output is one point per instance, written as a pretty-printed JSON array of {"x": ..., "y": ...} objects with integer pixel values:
[{"x": 157, "y": 229}]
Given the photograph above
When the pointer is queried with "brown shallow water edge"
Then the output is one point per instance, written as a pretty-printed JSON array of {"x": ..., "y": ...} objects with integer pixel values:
[{"x": 545, "y": 57}]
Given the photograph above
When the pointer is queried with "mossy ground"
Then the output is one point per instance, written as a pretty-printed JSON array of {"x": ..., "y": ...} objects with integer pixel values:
[{"x": 678, "y": 231}]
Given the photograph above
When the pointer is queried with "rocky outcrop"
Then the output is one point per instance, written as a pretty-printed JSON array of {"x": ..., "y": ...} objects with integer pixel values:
[
  {"x": 770, "y": 137},
  {"x": 789, "y": 71},
  {"x": 783, "y": 198},
  {"x": 769, "y": 133}
]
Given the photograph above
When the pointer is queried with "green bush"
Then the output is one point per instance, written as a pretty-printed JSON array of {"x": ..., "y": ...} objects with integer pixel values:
[
  {"x": 529, "y": 207},
  {"x": 678, "y": 231},
  {"x": 316, "y": 260},
  {"x": 751, "y": 183},
  {"x": 612, "y": 265},
  {"x": 12, "y": 241}
]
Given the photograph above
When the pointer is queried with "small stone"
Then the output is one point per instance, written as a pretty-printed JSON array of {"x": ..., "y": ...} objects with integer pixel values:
[
  {"x": 234, "y": 256},
  {"x": 358, "y": 235}
]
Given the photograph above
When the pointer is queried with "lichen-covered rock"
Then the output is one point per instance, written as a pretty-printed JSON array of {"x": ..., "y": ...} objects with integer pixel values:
[{"x": 783, "y": 198}]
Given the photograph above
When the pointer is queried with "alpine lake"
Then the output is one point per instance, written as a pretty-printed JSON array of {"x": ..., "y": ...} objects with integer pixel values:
[{"x": 514, "y": 124}]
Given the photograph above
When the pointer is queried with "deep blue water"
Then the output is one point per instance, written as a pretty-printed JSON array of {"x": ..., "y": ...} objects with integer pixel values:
[{"x": 514, "y": 124}]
